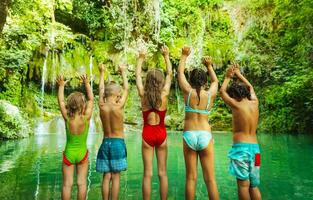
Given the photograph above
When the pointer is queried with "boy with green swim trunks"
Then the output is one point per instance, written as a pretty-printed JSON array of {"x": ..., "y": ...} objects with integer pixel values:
[
  {"x": 111, "y": 158},
  {"x": 245, "y": 153}
]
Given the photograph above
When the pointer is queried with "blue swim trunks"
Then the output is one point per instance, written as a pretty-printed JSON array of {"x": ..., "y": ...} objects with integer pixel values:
[
  {"x": 197, "y": 140},
  {"x": 245, "y": 162},
  {"x": 112, "y": 156}
]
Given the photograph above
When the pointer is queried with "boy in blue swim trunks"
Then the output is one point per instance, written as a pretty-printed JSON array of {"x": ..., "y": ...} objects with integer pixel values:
[
  {"x": 245, "y": 152},
  {"x": 111, "y": 158}
]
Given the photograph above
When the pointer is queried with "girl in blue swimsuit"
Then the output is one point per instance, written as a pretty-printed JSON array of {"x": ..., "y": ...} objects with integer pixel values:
[{"x": 197, "y": 137}]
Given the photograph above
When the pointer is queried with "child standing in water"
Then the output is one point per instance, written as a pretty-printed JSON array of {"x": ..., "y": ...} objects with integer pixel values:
[
  {"x": 111, "y": 158},
  {"x": 154, "y": 94},
  {"x": 245, "y": 152},
  {"x": 197, "y": 137},
  {"x": 76, "y": 114}
]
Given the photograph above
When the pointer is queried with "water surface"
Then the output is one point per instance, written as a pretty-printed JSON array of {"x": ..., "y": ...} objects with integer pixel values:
[{"x": 31, "y": 168}]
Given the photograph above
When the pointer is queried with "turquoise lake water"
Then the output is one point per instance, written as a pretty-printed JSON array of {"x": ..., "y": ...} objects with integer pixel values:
[{"x": 31, "y": 168}]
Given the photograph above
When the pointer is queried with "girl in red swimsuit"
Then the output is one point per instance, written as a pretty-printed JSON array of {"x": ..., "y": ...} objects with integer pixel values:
[{"x": 154, "y": 94}]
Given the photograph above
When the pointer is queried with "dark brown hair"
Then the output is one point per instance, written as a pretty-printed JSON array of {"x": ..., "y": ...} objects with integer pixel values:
[
  {"x": 75, "y": 103},
  {"x": 198, "y": 78},
  {"x": 238, "y": 91},
  {"x": 153, "y": 88}
]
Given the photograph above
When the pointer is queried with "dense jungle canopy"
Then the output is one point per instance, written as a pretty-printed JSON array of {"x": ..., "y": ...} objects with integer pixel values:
[{"x": 271, "y": 39}]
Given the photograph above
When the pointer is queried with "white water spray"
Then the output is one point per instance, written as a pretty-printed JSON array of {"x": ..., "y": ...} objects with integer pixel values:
[
  {"x": 125, "y": 3},
  {"x": 43, "y": 80},
  {"x": 157, "y": 17},
  {"x": 197, "y": 49},
  {"x": 90, "y": 70}
]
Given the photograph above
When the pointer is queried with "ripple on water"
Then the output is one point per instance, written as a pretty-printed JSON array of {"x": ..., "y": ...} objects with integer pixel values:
[{"x": 31, "y": 168}]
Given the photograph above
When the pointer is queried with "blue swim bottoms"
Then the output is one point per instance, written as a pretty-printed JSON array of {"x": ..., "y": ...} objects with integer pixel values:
[
  {"x": 197, "y": 140},
  {"x": 245, "y": 162},
  {"x": 112, "y": 156}
]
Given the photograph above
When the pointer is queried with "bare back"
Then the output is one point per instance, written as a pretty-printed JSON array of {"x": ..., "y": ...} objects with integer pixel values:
[
  {"x": 245, "y": 121},
  {"x": 153, "y": 118},
  {"x": 112, "y": 118},
  {"x": 198, "y": 121}
]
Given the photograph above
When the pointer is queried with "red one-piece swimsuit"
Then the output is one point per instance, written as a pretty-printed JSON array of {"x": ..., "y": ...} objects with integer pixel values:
[{"x": 154, "y": 135}]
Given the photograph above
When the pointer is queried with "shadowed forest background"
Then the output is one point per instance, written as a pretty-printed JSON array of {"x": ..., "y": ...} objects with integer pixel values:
[{"x": 271, "y": 39}]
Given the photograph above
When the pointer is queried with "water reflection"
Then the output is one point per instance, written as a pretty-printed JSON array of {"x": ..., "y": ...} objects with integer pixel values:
[{"x": 31, "y": 168}]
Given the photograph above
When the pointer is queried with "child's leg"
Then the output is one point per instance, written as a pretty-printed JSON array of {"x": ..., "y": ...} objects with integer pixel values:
[
  {"x": 191, "y": 162},
  {"x": 147, "y": 156},
  {"x": 68, "y": 172},
  {"x": 255, "y": 193},
  {"x": 82, "y": 170},
  {"x": 243, "y": 189},
  {"x": 115, "y": 185},
  {"x": 161, "y": 154},
  {"x": 106, "y": 186},
  {"x": 207, "y": 163}
]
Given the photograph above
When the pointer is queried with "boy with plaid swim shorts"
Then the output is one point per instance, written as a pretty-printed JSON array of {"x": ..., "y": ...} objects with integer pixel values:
[
  {"x": 112, "y": 155},
  {"x": 245, "y": 152}
]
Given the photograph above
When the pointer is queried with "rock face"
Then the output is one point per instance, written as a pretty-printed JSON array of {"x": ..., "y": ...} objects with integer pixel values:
[{"x": 12, "y": 123}]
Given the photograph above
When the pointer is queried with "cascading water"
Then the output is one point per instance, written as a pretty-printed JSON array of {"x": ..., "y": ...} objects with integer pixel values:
[
  {"x": 90, "y": 70},
  {"x": 125, "y": 3},
  {"x": 197, "y": 49},
  {"x": 43, "y": 80},
  {"x": 157, "y": 18}
]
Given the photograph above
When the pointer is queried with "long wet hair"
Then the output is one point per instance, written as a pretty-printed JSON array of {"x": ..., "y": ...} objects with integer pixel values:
[
  {"x": 198, "y": 78},
  {"x": 238, "y": 91},
  {"x": 75, "y": 103},
  {"x": 153, "y": 88}
]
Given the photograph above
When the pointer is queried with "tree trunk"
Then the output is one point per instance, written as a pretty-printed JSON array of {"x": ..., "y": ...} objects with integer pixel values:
[{"x": 4, "y": 6}]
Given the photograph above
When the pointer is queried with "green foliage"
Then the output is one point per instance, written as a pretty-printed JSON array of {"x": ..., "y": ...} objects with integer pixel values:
[
  {"x": 12, "y": 123},
  {"x": 271, "y": 39}
]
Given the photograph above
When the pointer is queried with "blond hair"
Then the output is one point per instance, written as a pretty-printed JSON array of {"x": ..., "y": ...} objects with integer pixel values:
[
  {"x": 110, "y": 88},
  {"x": 75, "y": 103}
]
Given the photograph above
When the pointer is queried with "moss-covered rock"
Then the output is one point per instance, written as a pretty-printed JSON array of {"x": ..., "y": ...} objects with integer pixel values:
[{"x": 13, "y": 124}]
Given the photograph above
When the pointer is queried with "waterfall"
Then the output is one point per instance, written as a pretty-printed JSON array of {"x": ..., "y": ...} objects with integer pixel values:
[
  {"x": 177, "y": 91},
  {"x": 53, "y": 74},
  {"x": 125, "y": 3},
  {"x": 197, "y": 49},
  {"x": 157, "y": 18},
  {"x": 43, "y": 76},
  {"x": 90, "y": 70}
]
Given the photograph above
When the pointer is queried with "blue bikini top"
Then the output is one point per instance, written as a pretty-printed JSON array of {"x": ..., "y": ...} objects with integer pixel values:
[{"x": 190, "y": 109}]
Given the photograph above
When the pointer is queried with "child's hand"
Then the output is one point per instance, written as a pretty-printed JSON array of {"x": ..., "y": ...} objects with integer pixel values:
[
  {"x": 142, "y": 54},
  {"x": 186, "y": 51},
  {"x": 84, "y": 78},
  {"x": 60, "y": 80},
  {"x": 236, "y": 68},
  {"x": 122, "y": 68},
  {"x": 164, "y": 50},
  {"x": 230, "y": 72},
  {"x": 101, "y": 67},
  {"x": 207, "y": 61}
]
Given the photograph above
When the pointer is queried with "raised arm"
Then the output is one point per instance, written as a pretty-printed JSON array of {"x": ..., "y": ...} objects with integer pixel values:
[
  {"x": 101, "y": 84},
  {"x": 245, "y": 81},
  {"x": 227, "y": 99},
  {"x": 183, "y": 83},
  {"x": 89, "y": 104},
  {"x": 169, "y": 71},
  {"x": 139, "y": 84},
  {"x": 61, "y": 83},
  {"x": 123, "y": 70},
  {"x": 207, "y": 61}
]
